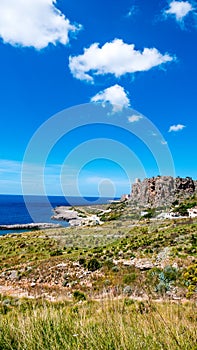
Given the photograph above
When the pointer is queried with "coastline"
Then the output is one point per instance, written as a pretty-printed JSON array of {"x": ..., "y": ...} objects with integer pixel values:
[{"x": 29, "y": 226}]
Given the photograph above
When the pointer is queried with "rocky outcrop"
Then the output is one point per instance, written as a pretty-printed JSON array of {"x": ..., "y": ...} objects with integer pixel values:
[
  {"x": 74, "y": 217},
  {"x": 162, "y": 190},
  {"x": 29, "y": 226},
  {"x": 65, "y": 213}
]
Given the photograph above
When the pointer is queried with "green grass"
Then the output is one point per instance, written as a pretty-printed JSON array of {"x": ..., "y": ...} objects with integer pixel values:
[
  {"x": 20, "y": 248},
  {"x": 35, "y": 256},
  {"x": 120, "y": 324}
]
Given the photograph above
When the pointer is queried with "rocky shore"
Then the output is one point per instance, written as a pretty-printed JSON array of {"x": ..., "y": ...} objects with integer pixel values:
[
  {"x": 74, "y": 217},
  {"x": 65, "y": 214},
  {"x": 29, "y": 226}
]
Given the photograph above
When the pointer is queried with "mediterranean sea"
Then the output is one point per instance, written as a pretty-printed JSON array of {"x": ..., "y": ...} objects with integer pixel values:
[{"x": 13, "y": 209}]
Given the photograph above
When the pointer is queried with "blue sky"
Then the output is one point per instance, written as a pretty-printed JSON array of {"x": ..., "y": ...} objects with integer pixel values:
[{"x": 130, "y": 54}]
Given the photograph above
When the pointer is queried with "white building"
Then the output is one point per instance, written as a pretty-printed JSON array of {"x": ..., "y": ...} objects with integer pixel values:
[
  {"x": 192, "y": 212},
  {"x": 169, "y": 215}
]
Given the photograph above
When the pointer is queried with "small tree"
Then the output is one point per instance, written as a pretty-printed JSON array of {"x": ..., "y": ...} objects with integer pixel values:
[{"x": 93, "y": 264}]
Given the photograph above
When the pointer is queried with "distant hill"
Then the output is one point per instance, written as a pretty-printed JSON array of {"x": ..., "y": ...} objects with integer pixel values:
[{"x": 162, "y": 191}]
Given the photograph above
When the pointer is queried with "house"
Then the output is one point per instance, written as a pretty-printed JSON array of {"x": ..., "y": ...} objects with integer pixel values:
[
  {"x": 172, "y": 215},
  {"x": 192, "y": 212},
  {"x": 169, "y": 215}
]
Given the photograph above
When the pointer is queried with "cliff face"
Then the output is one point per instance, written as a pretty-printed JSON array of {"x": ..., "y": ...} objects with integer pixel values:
[{"x": 162, "y": 190}]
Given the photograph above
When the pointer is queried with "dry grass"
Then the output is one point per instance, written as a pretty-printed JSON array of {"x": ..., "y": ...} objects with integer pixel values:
[{"x": 110, "y": 324}]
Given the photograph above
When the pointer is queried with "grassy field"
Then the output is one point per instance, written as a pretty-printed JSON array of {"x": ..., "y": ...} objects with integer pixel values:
[
  {"x": 114, "y": 286},
  {"x": 59, "y": 260},
  {"x": 110, "y": 324}
]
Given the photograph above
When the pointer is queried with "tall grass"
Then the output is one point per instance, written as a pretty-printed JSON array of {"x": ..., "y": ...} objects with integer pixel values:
[{"x": 110, "y": 324}]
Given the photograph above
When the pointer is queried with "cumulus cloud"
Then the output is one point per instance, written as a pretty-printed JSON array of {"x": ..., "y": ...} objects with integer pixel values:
[
  {"x": 177, "y": 127},
  {"x": 34, "y": 23},
  {"x": 179, "y": 9},
  {"x": 115, "y": 95},
  {"x": 117, "y": 58},
  {"x": 134, "y": 118}
]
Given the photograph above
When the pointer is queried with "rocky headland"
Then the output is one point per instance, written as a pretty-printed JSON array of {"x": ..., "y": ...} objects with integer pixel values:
[
  {"x": 75, "y": 217},
  {"x": 35, "y": 226}
]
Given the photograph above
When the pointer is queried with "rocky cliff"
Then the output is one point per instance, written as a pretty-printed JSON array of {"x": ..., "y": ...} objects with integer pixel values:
[{"x": 162, "y": 190}]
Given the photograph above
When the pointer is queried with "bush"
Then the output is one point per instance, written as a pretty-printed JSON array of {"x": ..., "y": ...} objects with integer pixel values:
[
  {"x": 64, "y": 283},
  {"x": 115, "y": 268},
  {"x": 56, "y": 252},
  {"x": 93, "y": 265},
  {"x": 78, "y": 296},
  {"x": 170, "y": 273},
  {"x": 82, "y": 261},
  {"x": 162, "y": 287},
  {"x": 190, "y": 278},
  {"x": 129, "y": 278},
  {"x": 109, "y": 263},
  {"x": 127, "y": 290}
]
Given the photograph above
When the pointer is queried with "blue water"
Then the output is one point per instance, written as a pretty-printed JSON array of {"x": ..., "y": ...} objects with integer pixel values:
[{"x": 13, "y": 209}]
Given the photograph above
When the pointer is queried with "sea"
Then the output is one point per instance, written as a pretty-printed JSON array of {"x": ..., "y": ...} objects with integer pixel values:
[{"x": 13, "y": 209}]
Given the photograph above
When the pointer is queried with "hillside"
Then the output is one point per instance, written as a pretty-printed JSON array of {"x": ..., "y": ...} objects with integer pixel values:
[{"x": 125, "y": 284}]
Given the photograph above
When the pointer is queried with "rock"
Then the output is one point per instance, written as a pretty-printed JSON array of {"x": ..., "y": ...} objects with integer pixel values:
[
  {"x": 29, "y": 226},
  {"x": 143, "y": 264},
  {"x": 62, "y": 213},
  {"x": 13, "y": 275},
  {"x": 162, "y": 191},
  {"x": 75, "y": 222}
]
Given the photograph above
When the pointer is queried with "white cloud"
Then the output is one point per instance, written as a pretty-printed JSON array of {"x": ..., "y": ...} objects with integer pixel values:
[
  {"x": 164, "y": 142},
  {"x": 115, "y": 95},
  {"x": 117, "y": 58},
  {"x": 134, "y": 118},
  {"x": 179, "y": 9},
  {"x": 177, "y": 127},
  {"x": 34, "y": 23},
  {"x": 133, "y": 9}
]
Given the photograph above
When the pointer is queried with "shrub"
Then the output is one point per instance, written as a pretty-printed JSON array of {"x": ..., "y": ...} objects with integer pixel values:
[
  {"x": 162, "y": 287},
  {"x": 56, "y": 252},
  {"x": 129, "y": 278},
  {"x": 82, "y": 261},
  {"x": 93, "y": 265},
  {"x": 115, "y": 268},
  {"x": 109, "y": 263},
  {"x": 78, "y": 296},
  {"x": 170, "y": 273},
  {"x": 127, "y": 290},
  {"x": 190, "y": 278},
  {"x": 64, "y": 283}
]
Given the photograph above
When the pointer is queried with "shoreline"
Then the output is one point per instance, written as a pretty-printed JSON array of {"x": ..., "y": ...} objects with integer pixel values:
[{"x": 29, "y": 226}]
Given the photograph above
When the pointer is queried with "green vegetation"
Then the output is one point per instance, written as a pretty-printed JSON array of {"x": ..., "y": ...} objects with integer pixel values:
[
  {"x": 116, "y": 210},
  {"x": 62, "y": 260},
  {"x": 150, "y": 213},
  {"x": 78, "y": 296},
  {"x": 190, "y": 278},
  {"x": 182, "y": 207},
  {"x": 119, "y": 324},
  {"x": 115, "y": 282},
  {"x": 93, "y": 265},
  {"x": 32, "y": 246}
]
